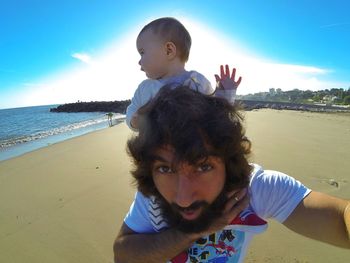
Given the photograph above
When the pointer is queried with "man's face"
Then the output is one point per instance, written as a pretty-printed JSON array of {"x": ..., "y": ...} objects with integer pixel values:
[
  {"x": 153, "y": 54},
  {"x": 193, "y": 193}
]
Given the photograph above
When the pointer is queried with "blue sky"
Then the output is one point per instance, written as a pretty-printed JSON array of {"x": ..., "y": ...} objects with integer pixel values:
[{"x": 64, "y": 51}]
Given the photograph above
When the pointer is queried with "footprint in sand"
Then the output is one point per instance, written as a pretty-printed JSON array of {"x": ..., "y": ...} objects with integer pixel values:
[{"x": 332, "y": 182}]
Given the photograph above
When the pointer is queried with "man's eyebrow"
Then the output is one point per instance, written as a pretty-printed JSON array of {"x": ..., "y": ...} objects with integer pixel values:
[
  {"x": 213, "y": 153},
  {"x": 209, "y": 154},
  {"x": 159, "y": 158}
]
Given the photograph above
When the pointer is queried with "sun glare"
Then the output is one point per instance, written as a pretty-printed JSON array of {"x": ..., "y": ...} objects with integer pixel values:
[
  {"x": 211, "y": 48},
  {"x": 114, "y": 73}
]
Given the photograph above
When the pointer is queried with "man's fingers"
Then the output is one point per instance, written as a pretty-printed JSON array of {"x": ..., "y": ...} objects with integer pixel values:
[
  {"x": 233, "y": 198},
  {"x": 217, "y": 78},
  {"x": 233, "y": 192},
  {"x": 238, "y": 194},
  {"x": 236, "y": 209},
  {"x": 242, "y": 193},
  {"x": 237, "y": 201}
]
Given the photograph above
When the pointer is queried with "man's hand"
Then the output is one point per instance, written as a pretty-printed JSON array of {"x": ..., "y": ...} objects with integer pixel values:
[
  {"x": 160, "y": 247},
  {"x": 237, "y": 201},
  {"x": 226, "y": 81}
]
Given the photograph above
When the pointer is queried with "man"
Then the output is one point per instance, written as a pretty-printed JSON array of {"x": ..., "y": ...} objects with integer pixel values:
[{"x": 199, "y": 200}]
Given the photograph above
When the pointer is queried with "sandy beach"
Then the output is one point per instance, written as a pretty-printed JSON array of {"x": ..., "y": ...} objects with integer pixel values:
[{"x": 66, "y": 202}]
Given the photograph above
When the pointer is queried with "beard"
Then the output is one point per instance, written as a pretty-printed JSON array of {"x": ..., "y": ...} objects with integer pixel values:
[{"x": 210, "y": 212}]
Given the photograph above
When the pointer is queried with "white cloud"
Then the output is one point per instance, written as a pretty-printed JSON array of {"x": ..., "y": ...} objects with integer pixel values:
[
  {"x": 112, "y": 75},
  {"x": 83, "y": 57},
  {"x": 115, "y": 73}
]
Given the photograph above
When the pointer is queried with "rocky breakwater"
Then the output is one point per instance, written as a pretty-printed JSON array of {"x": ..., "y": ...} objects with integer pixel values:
[
  {"x": 120, "y": 106},
  {"x": 94, "y": 106}
]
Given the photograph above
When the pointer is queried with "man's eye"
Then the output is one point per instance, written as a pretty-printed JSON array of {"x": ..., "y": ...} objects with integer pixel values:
[
  {"x": 205, "y": 167},
  {"x": 164, "y": 169}
]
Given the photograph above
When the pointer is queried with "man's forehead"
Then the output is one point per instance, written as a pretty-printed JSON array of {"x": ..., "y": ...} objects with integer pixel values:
[
  {"x": 169, "y": 154},
  {"x": 165, "y": 152}
]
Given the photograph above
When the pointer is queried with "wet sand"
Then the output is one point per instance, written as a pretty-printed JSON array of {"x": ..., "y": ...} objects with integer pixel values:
[{"x": 65, "y": 202}]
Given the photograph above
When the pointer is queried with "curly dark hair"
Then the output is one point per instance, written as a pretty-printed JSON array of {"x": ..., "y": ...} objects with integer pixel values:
[{"x": 196, "y": 126}]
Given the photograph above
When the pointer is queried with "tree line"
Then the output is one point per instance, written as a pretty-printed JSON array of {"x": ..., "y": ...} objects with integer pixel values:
[{"x": 327, "y": 96}]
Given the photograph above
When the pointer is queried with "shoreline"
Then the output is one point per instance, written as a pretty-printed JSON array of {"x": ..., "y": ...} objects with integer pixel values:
[
  {"x": 27, "y": 147},
  {"x": 17, "y": 150}
]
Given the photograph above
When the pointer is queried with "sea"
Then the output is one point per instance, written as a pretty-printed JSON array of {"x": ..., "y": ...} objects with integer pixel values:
[{"x": 29, "y": 128}]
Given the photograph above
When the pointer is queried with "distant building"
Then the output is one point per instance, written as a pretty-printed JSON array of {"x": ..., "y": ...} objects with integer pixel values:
[
  {"x": 329, "y": 99},
  {"x": 272, "y": 91}
]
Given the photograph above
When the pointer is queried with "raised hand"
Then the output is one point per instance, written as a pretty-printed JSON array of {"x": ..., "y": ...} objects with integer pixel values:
[{"x": 226, "y": 81}]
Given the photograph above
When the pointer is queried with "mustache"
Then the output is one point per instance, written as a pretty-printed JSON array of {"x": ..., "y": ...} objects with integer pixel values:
[
  {"x": 194, "y": 206},
  {"x": 210, "y": 211}
]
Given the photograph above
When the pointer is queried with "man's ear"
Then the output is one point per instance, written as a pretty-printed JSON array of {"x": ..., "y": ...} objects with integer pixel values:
[{"x": 170, "y": 50}]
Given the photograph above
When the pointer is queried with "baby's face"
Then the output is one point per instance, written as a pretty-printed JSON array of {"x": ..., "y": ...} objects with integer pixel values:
[{"x": 153, "y": 54}]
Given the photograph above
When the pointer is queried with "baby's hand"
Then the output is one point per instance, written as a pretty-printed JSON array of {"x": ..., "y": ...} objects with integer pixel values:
[{"x": 225, "y": 81}]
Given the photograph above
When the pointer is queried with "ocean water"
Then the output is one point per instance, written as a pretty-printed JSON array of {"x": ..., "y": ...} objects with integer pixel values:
[{"x": 29, "y": 128}]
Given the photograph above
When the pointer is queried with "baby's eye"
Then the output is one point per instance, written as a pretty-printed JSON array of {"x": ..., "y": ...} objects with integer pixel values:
[{"x": 204, "y": 167}]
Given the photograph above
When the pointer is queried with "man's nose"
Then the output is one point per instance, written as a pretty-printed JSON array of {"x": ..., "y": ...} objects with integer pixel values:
[
  {"x": 140, "y": 62},
  {"x": 185, "y": 194}
]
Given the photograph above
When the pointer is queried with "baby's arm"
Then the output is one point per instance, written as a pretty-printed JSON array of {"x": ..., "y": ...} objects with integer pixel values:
[
  {"x": 131, "y": 112},
  {"x": 226, "y": 86},
  {"x": 134, "y": 121},
  {"x": 144, "y": 93}
]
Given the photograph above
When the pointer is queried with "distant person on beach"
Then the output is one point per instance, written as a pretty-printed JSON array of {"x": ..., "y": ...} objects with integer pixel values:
[
  {"x": 199, "y": 199},
  {"x": 110, "y": 118},
  {"x": 164, "y": 45}
]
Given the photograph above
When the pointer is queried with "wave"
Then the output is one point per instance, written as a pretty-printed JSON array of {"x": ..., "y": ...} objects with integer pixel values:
[{"x": 55, "y": 131}]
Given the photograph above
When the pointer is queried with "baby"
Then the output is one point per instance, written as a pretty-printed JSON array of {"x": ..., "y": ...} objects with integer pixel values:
[{"x": 164, "y": 45}]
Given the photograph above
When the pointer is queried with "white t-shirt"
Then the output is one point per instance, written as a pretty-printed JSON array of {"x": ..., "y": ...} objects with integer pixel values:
[
  {"x": 272, "y": 195},
  {"x": 149, "y": 88}
]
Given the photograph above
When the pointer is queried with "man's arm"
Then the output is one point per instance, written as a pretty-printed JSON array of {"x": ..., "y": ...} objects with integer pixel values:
[
  {"x": 130, "y": 246},
  {"x": 322, "y": 217},
  {"x": 143, "y": 94}
]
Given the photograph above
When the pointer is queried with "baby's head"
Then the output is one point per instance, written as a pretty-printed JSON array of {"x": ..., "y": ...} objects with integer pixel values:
[{"x": 162, "y": 41}]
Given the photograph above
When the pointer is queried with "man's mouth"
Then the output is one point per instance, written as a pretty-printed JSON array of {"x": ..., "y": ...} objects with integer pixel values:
[{"x": 190, "y": 214}]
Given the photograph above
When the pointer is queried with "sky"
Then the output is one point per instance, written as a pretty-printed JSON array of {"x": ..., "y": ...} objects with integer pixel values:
[{"x": 54, "y": 52}]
